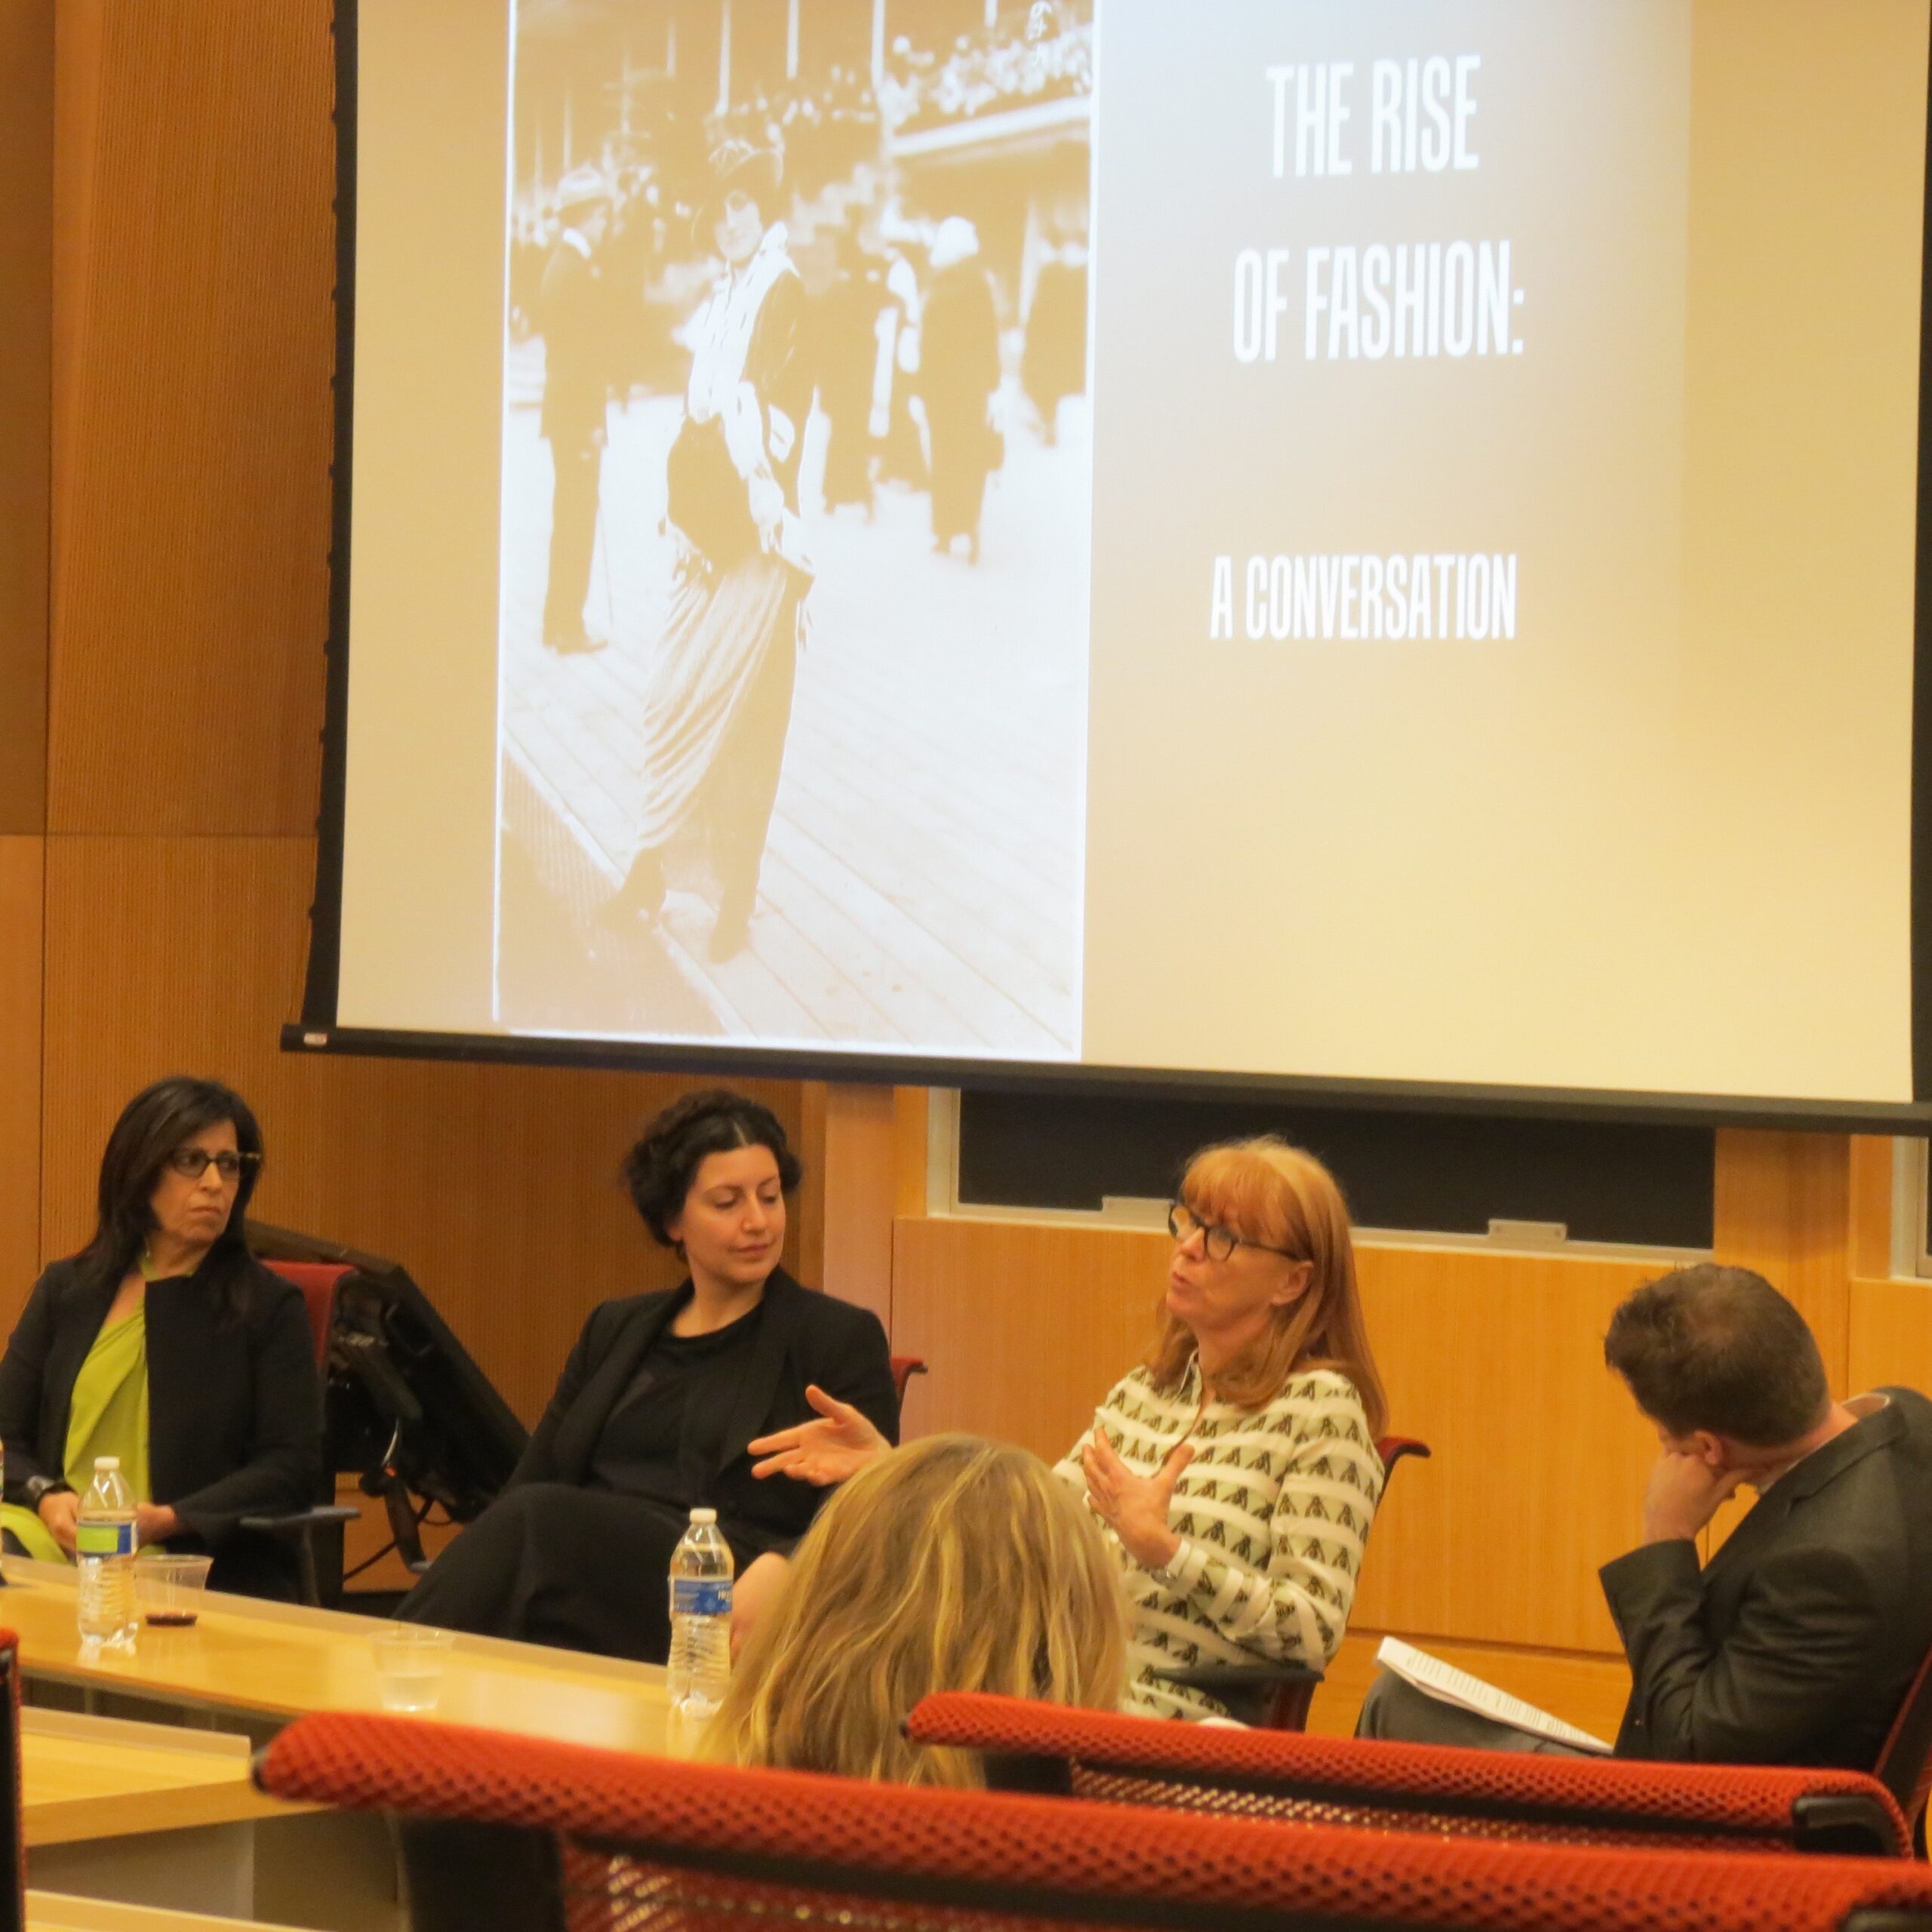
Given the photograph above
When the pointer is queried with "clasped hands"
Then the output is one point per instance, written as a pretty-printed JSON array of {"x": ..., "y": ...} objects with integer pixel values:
[
  {"x": 1684, "y": 1492},
  {"x": 60, "y": 1510}
]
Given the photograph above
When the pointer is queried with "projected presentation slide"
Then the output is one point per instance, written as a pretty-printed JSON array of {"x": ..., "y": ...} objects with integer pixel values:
[
  {"x": 1290, "y": 537},
  {"x": 798, "y": 459}
]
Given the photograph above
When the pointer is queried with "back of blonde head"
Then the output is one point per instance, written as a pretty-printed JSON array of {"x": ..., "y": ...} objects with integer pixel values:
[{"x": 951, "y": 1564}]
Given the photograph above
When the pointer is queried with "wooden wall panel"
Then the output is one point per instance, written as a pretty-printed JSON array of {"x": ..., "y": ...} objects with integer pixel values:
[
  {"x": 1496, "y": 1360},
  {"x": 1891, "y": 1336},
  {"x": 1540, "y": 1458},
  {"x": 20, "y": 861},
  {"x": 1024, "y": 1326},
  {"x": 27, "y": 162},
  {"x": 909, "y": 1151},
  {"x": 496, "y": 1187},
  {"x": 1869, "y": 1233},
  {"x": 859, "y": 1191},
  {"x": 1783, "y": 1207},
  {"x": 195, "y": 160}
]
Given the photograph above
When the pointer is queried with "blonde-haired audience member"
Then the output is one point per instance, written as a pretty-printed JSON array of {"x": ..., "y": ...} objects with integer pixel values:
[
  {"x": 1234, "y": 1471},
  {"x": 951, "y": 1564}
]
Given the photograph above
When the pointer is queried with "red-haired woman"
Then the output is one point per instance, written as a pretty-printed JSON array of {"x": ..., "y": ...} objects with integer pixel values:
[{"x": 1235, "y": 1470}]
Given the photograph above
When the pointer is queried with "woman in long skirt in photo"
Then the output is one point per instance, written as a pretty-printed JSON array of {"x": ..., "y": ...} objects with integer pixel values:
[
  {"x": 719, "y": 703},
  {"x": 960, "y": 373}
]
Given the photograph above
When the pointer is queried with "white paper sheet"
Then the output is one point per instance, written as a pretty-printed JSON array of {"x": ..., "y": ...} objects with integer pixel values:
[{"x": 1451, "y": 1686}]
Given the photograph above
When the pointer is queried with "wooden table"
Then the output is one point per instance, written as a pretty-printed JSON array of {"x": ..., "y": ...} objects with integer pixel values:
[
  {"x": 252, "y": 1667},
  {"x": 270, "y": 1662},
  {"x": 85, "y": 1778},
  {"x": 56, "y": 1911},
  {"x": 157, "y": 1813}
]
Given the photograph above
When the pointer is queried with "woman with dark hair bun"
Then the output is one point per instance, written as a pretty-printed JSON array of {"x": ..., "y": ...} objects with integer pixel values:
[
  {"x": 657, "y": 1403},
  {"x": 165, "y": 1343}
]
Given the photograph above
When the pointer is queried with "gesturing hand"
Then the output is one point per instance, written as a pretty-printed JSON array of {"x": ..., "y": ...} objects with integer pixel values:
[
  {"x": 1135, "y": 1507},
  {"x": 1683, "y": 1494},
  {"x": 839, "y": 1444}
]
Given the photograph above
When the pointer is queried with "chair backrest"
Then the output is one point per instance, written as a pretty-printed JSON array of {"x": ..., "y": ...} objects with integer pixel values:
[
  {"x": 317, "y": 1281},
  {"x": 904, "y": 1368},
  {"x": 1392, "y": 1448},
  {"x": 1905, "y": 1763},
  {"x": 658, "y": 1846},
  {"x": 1413, "y": 1787}
]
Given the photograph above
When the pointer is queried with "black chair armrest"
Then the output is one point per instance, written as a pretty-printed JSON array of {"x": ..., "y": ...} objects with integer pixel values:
[
  {"x": 1847, "y": 1824},
  {"x": 299, "y": 1527},
  {"x": 298, "y": 1521},
  {"x": 1272, "y": 1696}
]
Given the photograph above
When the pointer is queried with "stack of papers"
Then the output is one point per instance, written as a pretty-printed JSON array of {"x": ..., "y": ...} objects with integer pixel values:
[{"x": 1444, "y": 1682}]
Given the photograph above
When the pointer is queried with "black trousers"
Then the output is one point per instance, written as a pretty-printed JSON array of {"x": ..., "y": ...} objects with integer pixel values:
[
  {"x": 1396, "y": 1709},
  {"x": 550, "y": 1563},
  {"x": 579, "y": 468}
]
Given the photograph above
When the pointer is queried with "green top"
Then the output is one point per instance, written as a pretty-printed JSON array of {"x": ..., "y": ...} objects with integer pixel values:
[{"x": 108, "y": 1417}]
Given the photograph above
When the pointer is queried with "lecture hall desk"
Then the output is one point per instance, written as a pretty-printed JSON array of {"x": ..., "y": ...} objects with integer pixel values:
[
  {"x": 54, "y": 1912},
  {"x": 264, "y": 1664},
  {"x": 252, "y": 1667}
]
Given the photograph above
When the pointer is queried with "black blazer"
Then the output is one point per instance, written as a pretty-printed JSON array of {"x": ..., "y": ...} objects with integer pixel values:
[
  {"x": 802, "y": 1337},
  {"x": 1796, "y": 1642},
  {"x": 235, "y": 1408}
]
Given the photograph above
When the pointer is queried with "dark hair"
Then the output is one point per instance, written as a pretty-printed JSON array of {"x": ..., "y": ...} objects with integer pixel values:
[
  {"x": 1719, "y": 1348},
  {"x": 156, "y": 1121},
  {"x": 660, "y": 1169}
]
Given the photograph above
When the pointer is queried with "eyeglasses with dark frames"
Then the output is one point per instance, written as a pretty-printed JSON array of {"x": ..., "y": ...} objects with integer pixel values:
[
  {"x": 1217, "y": 1243},
  {"x": 191, "y": 1163}
]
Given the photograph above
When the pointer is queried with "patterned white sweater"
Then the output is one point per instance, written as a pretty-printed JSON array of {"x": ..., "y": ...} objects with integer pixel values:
[{"x": 1273, "y": 1515}]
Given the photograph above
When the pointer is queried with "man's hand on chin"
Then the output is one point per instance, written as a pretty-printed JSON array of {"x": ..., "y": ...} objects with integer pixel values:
[{"x": 1683, "y": 1494}]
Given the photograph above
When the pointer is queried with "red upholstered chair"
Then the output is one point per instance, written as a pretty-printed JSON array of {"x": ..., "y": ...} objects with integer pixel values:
[
  {"x": 1413, "y": 1787},
  {"x": 904, "y": 1368},
  {"x": 316, "y": 1532},
  {"x": 1275, "y": 1696},
  {"x": 1905, "y": 1764},
  {"x": 514, "y": 1833},
  {"x": 317, "y": 1281}
]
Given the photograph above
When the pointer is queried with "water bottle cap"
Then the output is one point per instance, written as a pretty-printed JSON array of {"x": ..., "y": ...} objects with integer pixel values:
[
  {"x": 105, "y": 1462},
  {"x": 704, "y": 1516}
]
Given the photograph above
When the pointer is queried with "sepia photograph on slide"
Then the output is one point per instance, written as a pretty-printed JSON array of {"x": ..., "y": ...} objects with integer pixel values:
[{"x": 796, "y": 488}]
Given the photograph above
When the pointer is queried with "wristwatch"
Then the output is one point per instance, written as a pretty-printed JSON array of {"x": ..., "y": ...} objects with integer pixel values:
[{"x": 39, "y": 1486}]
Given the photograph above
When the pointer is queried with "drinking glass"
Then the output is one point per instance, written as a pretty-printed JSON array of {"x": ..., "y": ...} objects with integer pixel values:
[
  {"x": 169, "y": 1590},
  {"x": 409, "y": 1666}
]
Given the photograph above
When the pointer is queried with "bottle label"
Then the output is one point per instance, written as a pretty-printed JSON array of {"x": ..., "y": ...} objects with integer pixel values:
[
  {"x": 700, "y": 1596},
  {"x": 103, "y": 1539}
]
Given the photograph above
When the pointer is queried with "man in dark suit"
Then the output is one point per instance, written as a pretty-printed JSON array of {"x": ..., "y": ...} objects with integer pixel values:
[
  {"x": 571, "y": 315},
  {"x": 1796, "y": 1643}
]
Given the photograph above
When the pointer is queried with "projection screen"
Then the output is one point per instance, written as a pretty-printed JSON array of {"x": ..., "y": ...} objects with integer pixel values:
[{"x": 1360, "y": 545}]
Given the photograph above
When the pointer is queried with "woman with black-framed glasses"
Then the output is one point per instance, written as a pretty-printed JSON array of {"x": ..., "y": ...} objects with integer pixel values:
[
  {"x": 1234, "y": 1472},
  {"x": 163, "y": 1342}
]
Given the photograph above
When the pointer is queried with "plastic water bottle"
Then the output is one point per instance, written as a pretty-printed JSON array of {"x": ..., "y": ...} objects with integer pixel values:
[
  {"x": 104, "y": 1552},
  {"x": 700, "y": 1659}
]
